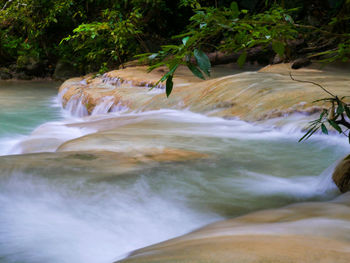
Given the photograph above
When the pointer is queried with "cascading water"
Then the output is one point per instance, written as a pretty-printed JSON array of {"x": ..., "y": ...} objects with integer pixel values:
[
  {"x": 76, "y": 107},
  {"x": 69, "y": 206}
]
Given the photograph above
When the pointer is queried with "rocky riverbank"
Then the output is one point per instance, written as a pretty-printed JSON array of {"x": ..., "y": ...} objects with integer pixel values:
[
  {"x": 250, "y": 96},
  {"x": 31, "y": 69}
]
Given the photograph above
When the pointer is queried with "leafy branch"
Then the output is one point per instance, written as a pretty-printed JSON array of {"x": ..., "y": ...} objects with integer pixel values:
[
  {"x": 173, "y": 56},
  {"x": 227, "y": 29},
  {"x": 337, "y": 115},
  {"x": 233, "y": 30}
]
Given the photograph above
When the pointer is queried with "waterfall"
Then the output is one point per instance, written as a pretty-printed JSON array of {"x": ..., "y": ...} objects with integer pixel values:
[
  {"x": 76, "y": 107},
  {"x": 104, "y": 106}
]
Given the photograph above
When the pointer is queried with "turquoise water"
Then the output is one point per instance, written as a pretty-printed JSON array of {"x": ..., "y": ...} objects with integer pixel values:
[{"x": 25, "y": 105}]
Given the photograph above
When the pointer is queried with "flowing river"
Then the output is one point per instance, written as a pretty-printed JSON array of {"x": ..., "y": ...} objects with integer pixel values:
[{"x": 65, "y": 196}]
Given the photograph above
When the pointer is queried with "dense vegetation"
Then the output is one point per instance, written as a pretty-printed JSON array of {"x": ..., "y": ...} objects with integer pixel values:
[{"x": 95, "y": 35}]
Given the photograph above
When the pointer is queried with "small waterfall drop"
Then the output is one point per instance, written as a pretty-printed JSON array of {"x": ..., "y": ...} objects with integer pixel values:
[
  {"x": 325, "y": 183},
  {"x": 76, "y": 107},
  {"x": 104, "y": 106}
]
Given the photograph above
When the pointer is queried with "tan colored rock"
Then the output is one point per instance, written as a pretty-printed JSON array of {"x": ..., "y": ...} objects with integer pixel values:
[
  {"x": 95, "y": 163},
  {"x": 311, "y": 232},
  {"x": 250, "y": 249},
  {"x": 251, "y": 96},
  {"x": 341, "y": 175}
]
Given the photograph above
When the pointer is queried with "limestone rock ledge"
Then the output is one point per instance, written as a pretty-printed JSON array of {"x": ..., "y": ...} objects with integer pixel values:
[
  {"x": 95, "y": 164},
  {"x": 250, "y": 96},
  {"x": 311, "y": 232}
]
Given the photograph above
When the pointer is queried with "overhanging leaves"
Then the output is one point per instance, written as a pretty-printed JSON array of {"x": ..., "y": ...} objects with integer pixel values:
[
  {"x": 242, "y": 58},
  {"x": 169, "y": 85},
  {"x": 195, "y": 70},
  {"x": 202, "y": 61},
  {"x": 278, "y": 47}
]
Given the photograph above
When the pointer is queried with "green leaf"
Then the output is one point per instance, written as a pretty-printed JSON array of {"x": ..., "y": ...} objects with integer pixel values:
[
  {"x": 157, "y": 65},
  {"x": 195, "y": 70},
  {"x": 235, "y": 9},
  {"x": 170, "y": 72},
  {"x": 153, "y": 56},
  {"x": 335, "y": 125},
  {"x": 242, "y": 58},
  {"x": 324, "y": 112},
  {"x": 324, "y": 129},
  {"x": 278, "y": 47},
  {"x": 340, "y": 108},
  {"x": 169, "y": 85},
  {"x": 288, "y": 18},
  {"x": 202, "y": 61},
  {"x": 184, "y": 40},
  {"x": 309, "y": 133}
]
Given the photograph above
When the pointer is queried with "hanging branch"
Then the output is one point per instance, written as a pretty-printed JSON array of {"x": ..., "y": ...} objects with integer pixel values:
[
  {"x": 311, "y": 82},
  {"x": 336, "y": 116}
]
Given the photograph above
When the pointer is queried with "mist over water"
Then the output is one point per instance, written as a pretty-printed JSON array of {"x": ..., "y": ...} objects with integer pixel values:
[
  {"x": 65, "y": 213},
  {"x": 55, "y": 221}
]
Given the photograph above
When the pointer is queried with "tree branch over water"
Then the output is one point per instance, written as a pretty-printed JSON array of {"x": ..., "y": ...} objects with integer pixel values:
[{"x": 311, "y": 82}]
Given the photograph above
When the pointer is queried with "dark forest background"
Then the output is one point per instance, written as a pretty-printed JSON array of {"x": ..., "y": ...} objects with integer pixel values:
[{"x": 38, "y": 37}]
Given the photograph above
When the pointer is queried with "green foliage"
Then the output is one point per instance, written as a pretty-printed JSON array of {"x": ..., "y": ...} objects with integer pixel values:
[
  {"x": 106, "y": 32},
  {"x": 225, "y": 29},
  {"x": 99, "y": 34},
  {"x": 336, "y": 116},
  {"x": 112, "y": 40},
  {"x": 230, "y": 29},
  {"x": 202, "y": 61},
  {"x": 24, "y": 25},
  {"x": 172, "y": 56}
]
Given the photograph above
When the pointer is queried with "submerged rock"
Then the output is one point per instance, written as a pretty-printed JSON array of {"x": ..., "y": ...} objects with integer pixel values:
[
  {"x": 94, "y": 164},
  {"x": 341, "y": 175}
]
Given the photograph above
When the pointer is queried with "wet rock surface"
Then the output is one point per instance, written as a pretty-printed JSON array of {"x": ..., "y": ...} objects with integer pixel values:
[
  {"x": 250, "y": 96},
  {"x": 305, "y": 232},
  {"x": 92, "y": 164},
  {"x": 341, "y": 175}
]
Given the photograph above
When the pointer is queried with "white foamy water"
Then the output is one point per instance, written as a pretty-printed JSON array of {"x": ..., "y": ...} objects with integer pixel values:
[
  {"x": 66, "y": 213},
  {"x": 54, "y": 221}
]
